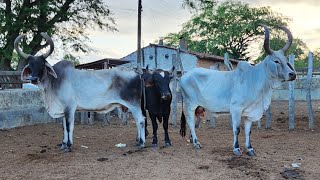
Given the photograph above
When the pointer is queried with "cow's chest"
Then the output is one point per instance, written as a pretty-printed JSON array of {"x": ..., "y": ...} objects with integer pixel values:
[{"x": 53, "y": 106}]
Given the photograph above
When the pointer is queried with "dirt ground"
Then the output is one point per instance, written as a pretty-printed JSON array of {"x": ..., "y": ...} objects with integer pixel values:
[{"x": 31, "y": 152}]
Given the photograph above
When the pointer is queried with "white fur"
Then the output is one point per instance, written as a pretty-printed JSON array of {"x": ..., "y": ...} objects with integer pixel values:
[
  {"x": 245, "y": 91},
  {"x": 88, "y": 90}
]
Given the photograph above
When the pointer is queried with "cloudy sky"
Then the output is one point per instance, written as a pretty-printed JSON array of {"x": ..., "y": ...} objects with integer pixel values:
[{"x": 160, "y": 17}]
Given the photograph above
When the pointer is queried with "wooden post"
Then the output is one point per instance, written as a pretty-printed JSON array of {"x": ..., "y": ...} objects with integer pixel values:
[
  {"x": 174, "y": 92},
  {"x": 179, "y": 61},
  {"x": 308, "y": 91},
  {"x": 268, "y": 118},
  {"x": 139, "y": 67},
  {"x": 90, "y": 118},
  {"x": 106, "y": 119},
  {"x": 291, "y": 97},
  {"x": 226, "y": 62},
  {"x": 212, "y": 120}
]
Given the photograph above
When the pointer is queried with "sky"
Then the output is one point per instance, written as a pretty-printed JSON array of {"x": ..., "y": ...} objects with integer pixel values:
[{"x": 160, "y": 17}]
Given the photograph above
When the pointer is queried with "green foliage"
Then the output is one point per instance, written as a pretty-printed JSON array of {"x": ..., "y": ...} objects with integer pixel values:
[
  {"x": 229, "y": 26},
  {"x": 73, "y": 59},
  {"x": 304, "y": 61},
  {"x": 298, "y": 48},
  {"x": 65, "y": 20}
]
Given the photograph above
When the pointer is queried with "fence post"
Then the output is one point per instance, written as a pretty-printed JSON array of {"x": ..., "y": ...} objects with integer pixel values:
[
  {"x": 268, "y": 118},
  {"x": 308, "y": 91},
  {"x": 227, "y": 62},
  {"x": 174, "y": 92},
  {"x": 212, "y": 120},
  {"x": 291, "y": 97}
]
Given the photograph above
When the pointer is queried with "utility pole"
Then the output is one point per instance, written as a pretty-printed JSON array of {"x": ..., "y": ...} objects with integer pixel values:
[{"x": 139, "y": 38}]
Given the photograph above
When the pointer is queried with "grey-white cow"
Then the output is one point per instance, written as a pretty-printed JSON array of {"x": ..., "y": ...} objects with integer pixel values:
[
  {"x": 245, "y": 91},
  {"x": 66, "y": 89}
]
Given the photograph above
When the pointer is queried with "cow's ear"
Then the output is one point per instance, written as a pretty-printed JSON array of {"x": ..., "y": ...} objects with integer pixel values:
[
  {"x": 148, "y": 70},
  {"x": 50, "y": 70},
  {"x": 25, "y": 73}
]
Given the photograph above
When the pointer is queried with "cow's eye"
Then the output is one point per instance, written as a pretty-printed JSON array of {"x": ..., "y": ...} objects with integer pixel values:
[{"x": 276, "y": 61}]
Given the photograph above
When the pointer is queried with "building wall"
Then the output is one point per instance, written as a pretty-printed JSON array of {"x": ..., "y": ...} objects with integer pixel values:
[{"x": 161, "y": 58}]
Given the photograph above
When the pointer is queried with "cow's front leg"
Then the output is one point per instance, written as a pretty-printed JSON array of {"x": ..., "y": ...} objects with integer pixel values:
[
  {"x": 68, "y": 125},
  {"x": 154, "y": 129},
  {"x": 236, "y": 118},
  {"x": 165, "y": 127},
  {"x": 65, "y": 134},
  {"x": 247, "y": 126}
]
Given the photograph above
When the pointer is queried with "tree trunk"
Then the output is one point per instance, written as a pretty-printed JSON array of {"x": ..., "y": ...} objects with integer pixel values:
[
  {"x": 5, "y": 64},
  {"x": 22, "y": 63}
]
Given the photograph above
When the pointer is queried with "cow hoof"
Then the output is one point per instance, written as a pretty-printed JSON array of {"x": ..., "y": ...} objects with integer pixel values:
[
  {"x": 250, "y": 152},
  {"x": 68, "y": 149},
  {"x": 237, "y": 152},
  {"x": 63, "y": 146},
  {"x": 141, "y": 146},
  {"x": 167, "y": 144},
  {"x": 154, "y": 145},
  {"x": 197, "y": 146}
]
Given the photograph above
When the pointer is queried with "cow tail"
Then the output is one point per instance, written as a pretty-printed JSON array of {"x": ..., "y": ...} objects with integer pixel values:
[
  {"x": 183, "y": 122},
  {"x": 183, "y": 125}
]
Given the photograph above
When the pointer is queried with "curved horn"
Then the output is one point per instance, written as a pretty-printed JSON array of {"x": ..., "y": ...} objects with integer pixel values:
[
  {"x": 290, "y": 38},
  {"x": 49, "y": 40},
  {"x": 16, "y": 47},
  {"x": 266, "y": 44}
]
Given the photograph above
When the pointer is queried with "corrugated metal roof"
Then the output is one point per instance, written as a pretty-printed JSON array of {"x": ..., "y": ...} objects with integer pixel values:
[{"x": 100, "y": 63}]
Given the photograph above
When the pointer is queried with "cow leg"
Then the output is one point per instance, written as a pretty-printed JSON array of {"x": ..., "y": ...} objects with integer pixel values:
[
  {"x": 165, "y": 127},
  {"x": 247, "y": 127},
  {"x": 190, "y": 121},
  {"x": 137, "y": 115},
  {"x": 65, "y": 134},
  {"x": 236, "y": 118},
  {"x": 153, "y": 118},
  {"x": 144, "y": 113},
  {"x": 68, "y": 125}
]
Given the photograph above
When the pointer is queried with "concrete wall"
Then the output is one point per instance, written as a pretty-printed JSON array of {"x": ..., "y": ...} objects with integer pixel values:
[
  {"x": 20, "y": 107},
  {"x": 282, "y": 93}
]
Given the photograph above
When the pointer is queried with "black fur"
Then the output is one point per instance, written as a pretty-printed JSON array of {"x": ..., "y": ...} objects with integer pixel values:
[
  {"x": 131, "y": 90},
  {"x": 157, "y": 87}
]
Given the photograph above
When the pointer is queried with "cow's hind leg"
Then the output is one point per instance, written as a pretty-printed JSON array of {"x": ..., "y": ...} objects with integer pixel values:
[
  {"x": 137, "y": 115},
  {"x": 165, "y": 127},
  {"x": 190, "y": 121},
  {"x": 236, "y": 119},
  {"x": 247, "y": 126},
  {"x": 144, "y": 113}
]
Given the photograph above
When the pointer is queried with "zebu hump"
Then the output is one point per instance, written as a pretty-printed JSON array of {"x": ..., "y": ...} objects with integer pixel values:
[{"x": 62, "y": 68}]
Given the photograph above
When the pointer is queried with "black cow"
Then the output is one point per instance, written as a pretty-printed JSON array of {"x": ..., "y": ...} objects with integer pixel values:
[{"x": 158, "y": 101}]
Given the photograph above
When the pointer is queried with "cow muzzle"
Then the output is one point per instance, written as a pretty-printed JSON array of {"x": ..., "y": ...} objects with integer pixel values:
[
  {"x": 292, "y": 76},
  {"x": 34, "y": 80}
]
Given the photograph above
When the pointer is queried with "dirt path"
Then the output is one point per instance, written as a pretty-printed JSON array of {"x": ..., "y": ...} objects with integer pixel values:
[{"x": 31, "y": 153}]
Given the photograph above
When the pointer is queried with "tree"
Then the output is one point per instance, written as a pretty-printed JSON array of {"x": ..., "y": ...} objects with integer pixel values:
[
  {"x": 230, "y": 26},
  {"x": 73, "y": 59},
  {"x": 67, "y": 20},
  {"x": 298, "y": 48}
]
